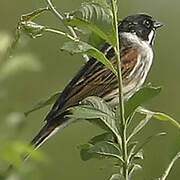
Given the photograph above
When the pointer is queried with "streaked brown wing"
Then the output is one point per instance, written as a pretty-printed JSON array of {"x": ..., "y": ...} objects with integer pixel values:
[{"x": 94, "y": 79}]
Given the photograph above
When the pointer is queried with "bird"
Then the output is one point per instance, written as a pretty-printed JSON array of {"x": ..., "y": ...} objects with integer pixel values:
[{"x": 136, "y": 35}]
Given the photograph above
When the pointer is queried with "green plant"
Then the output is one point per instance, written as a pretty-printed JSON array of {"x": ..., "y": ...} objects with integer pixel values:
[
  {"x": 117, "y": 142},
  {"x": 12, "y": 124}
]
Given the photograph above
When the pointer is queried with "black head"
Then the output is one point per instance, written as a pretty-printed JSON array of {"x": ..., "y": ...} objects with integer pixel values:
[{"x": 144, "y": 26}]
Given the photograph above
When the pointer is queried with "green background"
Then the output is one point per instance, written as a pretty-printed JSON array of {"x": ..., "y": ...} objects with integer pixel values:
[{"x": 25, "y": 89}]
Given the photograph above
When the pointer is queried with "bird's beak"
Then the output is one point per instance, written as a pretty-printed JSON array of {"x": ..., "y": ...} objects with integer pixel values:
[{"x": 157, "y": 24}]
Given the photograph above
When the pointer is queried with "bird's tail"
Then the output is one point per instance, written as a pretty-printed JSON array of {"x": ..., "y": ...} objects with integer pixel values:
[{"x": 50, "y": 129}]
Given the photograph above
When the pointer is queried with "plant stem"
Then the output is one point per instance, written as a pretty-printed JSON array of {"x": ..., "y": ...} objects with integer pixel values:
[
  {"x": 167, "y": 171},
  {"x": 60, "y": 16},
  {"x": 121, "y": 98},
  {"x": 60, "y": 33}
]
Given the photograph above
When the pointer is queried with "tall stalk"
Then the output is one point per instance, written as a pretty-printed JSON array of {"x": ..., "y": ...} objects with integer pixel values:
[
  {"x": 122, "y": 121},
  {"x": 60, "y": 17}
]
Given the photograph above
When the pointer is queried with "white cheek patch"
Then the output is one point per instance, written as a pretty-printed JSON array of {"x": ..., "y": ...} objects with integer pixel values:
[{"x": 151, "y": 37}]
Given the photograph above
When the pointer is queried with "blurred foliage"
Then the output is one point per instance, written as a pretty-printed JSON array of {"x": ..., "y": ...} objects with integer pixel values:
[
  {"x": 44, "y": 102},
  {"x": 19, "y": 63},
  {"x": 13, "y": 149}
]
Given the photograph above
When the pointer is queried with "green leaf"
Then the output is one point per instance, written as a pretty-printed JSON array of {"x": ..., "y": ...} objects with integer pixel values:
[
  {"x": 82, "y": 47},
  {"x": 95, "y": 40},
  {"x": 141, "y": 96},
  {"x": 133, "y": 168},
  {"x": 95, "y": 18},
  {"x": 32, "y": 29},
  {"x": 116, "y": 177},
  {"x": 92, "y": 108},
  {"x": 160, "y": 116},
  {"x": 85, "y": 112},
  {"x": 147, "y": 140},
  {"x": 102, "y": 137},
  {"x": 134, "y": 155},
  {"x": 43, "y": 103},
  {"x": 17, "y": 64},
  {"x": 131, "y": 150},
  {"x": 26, "y": 24},
  {"x": 12, "y": 152},
  {"x": 84, "y": 152},
  {"x": 101, "y": 149},
  {"x": 103, "y": 3},
  {"x": 141, "y": 124},
  {"x": 139, "y": 155},
  {"x": 33, "y": 15},
  {"x": 167, "y": 171}
]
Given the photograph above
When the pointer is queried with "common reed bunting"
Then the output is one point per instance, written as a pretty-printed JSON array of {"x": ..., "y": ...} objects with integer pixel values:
[{"x": 137, "y": 34}]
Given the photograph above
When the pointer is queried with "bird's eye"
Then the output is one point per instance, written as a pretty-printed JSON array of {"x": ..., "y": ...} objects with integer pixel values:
[{"x": 147, "y": 23}]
